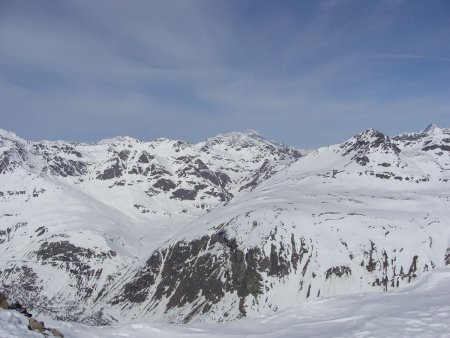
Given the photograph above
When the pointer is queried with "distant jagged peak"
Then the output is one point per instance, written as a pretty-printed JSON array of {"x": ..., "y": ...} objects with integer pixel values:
[
  {"x": 432, "y": 131},
  {"x": 239, "y": 139},
  {"x": 370, "y": 134},
  {"x": 249, "y": 141},
  {"x": 431, "y": 128},
  {"x": 252, "y": 133},
  {"x": 119, "y": 139},
  {"x": 369, "y": 141},
  {"x": 237, "y": 135},
  {"x": 170, "y": 141}
]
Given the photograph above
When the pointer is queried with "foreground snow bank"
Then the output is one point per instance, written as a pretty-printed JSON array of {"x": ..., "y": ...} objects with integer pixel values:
[
  {"x": 15, "y": 325},
  {"x": 422, "y": 309}
]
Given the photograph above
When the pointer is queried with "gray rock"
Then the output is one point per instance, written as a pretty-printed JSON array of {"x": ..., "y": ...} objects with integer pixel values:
[
  {"x": 34, "y": 325},
  {"x": 3, "y": 302},
  {"x": 56, "y": 333}
]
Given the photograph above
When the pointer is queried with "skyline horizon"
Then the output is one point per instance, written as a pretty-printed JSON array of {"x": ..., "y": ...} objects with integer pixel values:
[
  {"x": 243, "y": 132},
  {"x": 305, "y": 73}
]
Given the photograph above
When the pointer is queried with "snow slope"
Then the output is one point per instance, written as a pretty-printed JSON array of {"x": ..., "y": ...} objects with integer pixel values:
[
  {"x": 125, "y": 231},
  {"x": 15, "y": 325},
  {"x": 423, "y": 309},
  {"x": 75, "y": 217}
]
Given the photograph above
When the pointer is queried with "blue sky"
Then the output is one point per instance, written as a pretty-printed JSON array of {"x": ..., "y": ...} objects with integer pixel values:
[{"x": 306, "y": 73}]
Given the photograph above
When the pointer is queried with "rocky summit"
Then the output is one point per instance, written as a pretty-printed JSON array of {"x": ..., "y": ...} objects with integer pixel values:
[{"x": 122, "y": 230}]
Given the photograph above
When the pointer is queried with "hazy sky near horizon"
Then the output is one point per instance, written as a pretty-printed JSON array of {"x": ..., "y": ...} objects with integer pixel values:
[{"x": 305, "y": 73}]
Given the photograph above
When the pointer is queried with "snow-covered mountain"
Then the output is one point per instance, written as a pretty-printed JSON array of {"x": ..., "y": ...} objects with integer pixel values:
[
  {"x": 123, "y": 231},
  {"x": 419, "y": 310}
]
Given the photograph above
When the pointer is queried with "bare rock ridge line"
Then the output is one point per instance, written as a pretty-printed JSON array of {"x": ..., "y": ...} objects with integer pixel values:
[{"x": 121, "y": 230}]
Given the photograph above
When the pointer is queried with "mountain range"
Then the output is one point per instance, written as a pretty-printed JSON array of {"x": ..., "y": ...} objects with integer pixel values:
[{"x": 124, "y": 231}]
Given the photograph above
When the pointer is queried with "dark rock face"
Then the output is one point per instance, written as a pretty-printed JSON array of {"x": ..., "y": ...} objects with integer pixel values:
[
  {"x": 113, "y": 171},
  {"x": 210, "y": 266},
  {"x": 197, "y": 168},
  {"x": 37, "y": 192},
  {"x": 379, "y": 261},
  {"x": 3, "y": 302},
  {"x": 138, "y": 289},
  {"x": 41, "y": 230},
  {"x": 442, "y": 147},
  {"x": 264, "y": 172},
  {"x": 372, "y": 263},
  {"x": 64, "y": 167},
  {"x": 157, "y": 170},
  {"x": 184, "y": 194},
  {"x": 164, "y": 184},
  {"x": 183, "y": 280},
  {"x": 412, "y": 269},
  {"x": 7, "y": 234},
  {"x": 12, "y": 159},
  {"x": 145, "y": 157},
  {"x": 5, "y": 163},
  {"x": 76, "y": 262},
  {"x": 447, "y": 257},
  {"x": 409, "y": 137},
  {"x": 245, "y": 267},
  {"x": 368, "y": 141},
  {"x": 29, "y": 280},
  {"x": 279, "y": 266},
  {"x": 385, "y": 176},
  {"x": 362, "y": 160},
  {"x": 189, "y": 269},
  {"x": 223, "y": 196},
  {"x": 72, "y": 165},
  {"x": 124, "y": 154},
  {"x": 338, "y": 271},
  {"x": 67, "y": 252}
]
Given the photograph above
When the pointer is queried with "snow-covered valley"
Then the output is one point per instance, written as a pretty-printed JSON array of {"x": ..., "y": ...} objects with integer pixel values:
[
  {"x": 419, "y": 310},
  {"x": 124, "y": 231}
]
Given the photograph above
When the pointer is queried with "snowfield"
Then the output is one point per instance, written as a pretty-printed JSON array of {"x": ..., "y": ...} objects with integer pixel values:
[
  {"x": 124, "y": 231},
  {"x": 419, "y": 310}
]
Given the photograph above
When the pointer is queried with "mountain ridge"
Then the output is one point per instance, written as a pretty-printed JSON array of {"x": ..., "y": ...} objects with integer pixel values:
[{"x": 117, "y": 232}]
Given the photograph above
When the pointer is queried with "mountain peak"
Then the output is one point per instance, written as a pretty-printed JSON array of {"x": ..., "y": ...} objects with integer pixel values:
[
  {"x": 369, "y": 141},
  {"x": 431, "y": 129},
  {"x": 248, "y": 137},
  {"x": 119, "y": 139},
  {"x": 252, "y": 133},
  {"x": 240, "y": 203},
  {"x": 368, "y": 136},
  {"x": 246, "y": 133}
]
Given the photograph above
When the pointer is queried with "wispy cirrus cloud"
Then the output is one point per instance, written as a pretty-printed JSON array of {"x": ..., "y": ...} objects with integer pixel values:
[
  {"x": 307, "y": 73},
  {"x": 414, "y": 56}
]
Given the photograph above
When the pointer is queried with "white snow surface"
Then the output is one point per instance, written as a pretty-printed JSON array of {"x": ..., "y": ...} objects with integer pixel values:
[
  {"x": 420, "y": 310},
  {"x": 79, "y": 222},
  {"x": 15, "y": 325}
]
